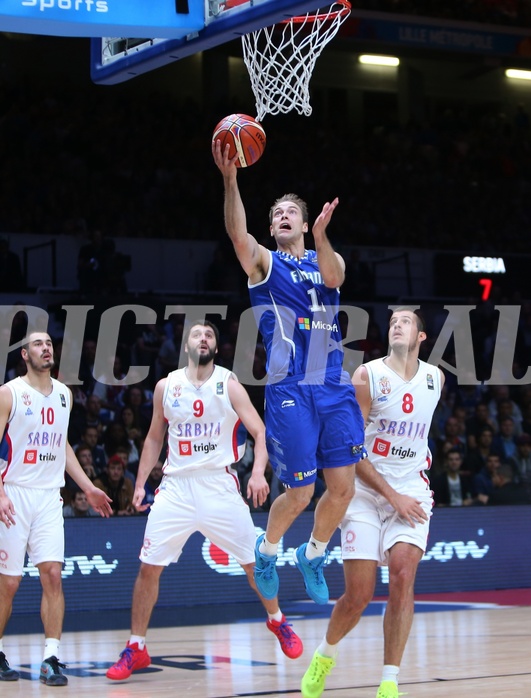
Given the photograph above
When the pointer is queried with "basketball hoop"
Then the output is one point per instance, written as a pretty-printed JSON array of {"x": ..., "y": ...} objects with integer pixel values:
[{"x": 280, "y": 59}]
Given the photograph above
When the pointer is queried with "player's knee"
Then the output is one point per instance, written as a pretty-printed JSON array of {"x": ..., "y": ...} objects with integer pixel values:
[
  {"x": 355, "y": 601},
  {"x": 50, "y": 575},
  {"x": 300, "y": 497},
  {"x": 9, "y": 585},
  {"x": 343, "y": 492},
  {"x": 402, "y": 576},
  {"x": 149, "y": 573}
]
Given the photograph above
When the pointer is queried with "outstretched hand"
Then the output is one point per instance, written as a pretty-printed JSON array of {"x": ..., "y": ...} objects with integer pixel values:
[
  {"x": 100, "y": 502},
  {"x": 226, "y": 165},
  {"x": 323, "y": 219}
]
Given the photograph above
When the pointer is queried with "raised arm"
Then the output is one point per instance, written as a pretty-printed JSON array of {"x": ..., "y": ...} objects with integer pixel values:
[
  {"x": 253, "y": 257},
  {"x": 258, "y": 489},
  {"x": 331, "y": 264}
]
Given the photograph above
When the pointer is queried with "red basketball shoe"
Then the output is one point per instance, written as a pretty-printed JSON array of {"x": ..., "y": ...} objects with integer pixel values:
[
  {"x": 290, "y": 642},
  {"x": 131, "y": 659}
]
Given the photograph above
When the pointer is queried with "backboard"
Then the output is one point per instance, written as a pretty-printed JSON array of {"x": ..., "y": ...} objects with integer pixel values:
[{"x": 116, "y": 59}]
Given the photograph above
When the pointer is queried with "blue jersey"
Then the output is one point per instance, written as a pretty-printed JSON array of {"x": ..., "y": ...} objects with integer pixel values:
[{"x": 297, "y": 317}]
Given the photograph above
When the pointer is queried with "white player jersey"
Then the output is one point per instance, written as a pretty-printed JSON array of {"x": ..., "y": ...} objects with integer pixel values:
[
  {"x": 33, "y": 447},
  {"x": 396, "y": 434},
  {"x": 204, "y": 431}
]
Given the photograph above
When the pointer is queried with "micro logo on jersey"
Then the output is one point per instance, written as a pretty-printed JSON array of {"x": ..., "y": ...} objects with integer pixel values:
[
  {"x": 28, "y": 412},
  {"x": 287, "y": 403},
  {"x": 219, "y": 388},
  {"x": 385, "y": 385},
  {"x": 358, "y": 450},
  {"x": 63, "y": 400},
  {"x": 30, "y": 456},
  {"x": 185, "y": 448},
  {"x": 304, "y": 323},
  {"x": 429, "y": 381},
  {"x": 26, "y": 399},
  {"x": 298, "y": 477},
  {"x": 381, "y": 447}
]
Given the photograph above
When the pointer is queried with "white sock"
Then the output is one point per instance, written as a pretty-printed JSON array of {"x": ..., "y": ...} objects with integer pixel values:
[
  {"x": 315, "y": 548},
  {"x": 1, "y": 644},
  {"x": 276, "y": 616},
  {"x": 267, "y": 548},
  {"x": 138, "y": 639},
  {"x": 51, "y": 647},
  {"x": 327, "y": 650},
  {"x": 390, "y": 673}
]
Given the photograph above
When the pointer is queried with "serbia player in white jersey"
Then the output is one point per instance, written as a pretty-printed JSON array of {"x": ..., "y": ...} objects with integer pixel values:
[
  {"x": 387, "y": 521},
  {"x": 201, "y": 407},
  {"x": 34, "y": 453}
]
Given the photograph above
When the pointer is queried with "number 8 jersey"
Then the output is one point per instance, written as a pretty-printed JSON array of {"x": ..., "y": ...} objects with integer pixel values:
[
  {"x": 396, "y": 433},
  {"x": 33, "y": 447}
]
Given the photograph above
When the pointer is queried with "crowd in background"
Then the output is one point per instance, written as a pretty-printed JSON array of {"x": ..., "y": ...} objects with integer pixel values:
[{"x": 460, "y": 175}]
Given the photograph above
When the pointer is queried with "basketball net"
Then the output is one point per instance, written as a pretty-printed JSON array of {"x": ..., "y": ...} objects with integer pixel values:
[{"x": 280, "y": 59}]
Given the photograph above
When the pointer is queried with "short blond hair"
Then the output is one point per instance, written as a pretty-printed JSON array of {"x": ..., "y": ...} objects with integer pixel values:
[{"x": 294, "y": 199}]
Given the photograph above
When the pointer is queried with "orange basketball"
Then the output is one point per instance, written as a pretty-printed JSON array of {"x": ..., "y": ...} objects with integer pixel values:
[{"x": 245, "y": 136}]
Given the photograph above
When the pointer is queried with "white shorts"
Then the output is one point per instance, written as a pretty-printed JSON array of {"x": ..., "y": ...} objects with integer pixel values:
[
  {"x": 371, "y": 526},
  {"x": 39, "y": 530},
  {"x": 209, "y": 503}
]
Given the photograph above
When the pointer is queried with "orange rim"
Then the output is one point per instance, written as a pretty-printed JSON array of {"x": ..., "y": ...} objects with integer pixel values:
[{"x": 346, "y": 8}]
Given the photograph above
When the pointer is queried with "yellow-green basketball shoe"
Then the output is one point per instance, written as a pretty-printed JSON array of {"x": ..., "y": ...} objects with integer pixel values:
[
  {"x": 388, "y": 689},
  {"x": 313, "y": 681}
]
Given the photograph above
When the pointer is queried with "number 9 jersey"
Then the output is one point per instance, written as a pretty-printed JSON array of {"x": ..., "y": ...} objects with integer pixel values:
[{"x": 204, "y": 431}]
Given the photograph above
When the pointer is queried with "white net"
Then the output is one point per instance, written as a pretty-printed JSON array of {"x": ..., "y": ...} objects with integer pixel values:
[{"x": 280, "y": 59}]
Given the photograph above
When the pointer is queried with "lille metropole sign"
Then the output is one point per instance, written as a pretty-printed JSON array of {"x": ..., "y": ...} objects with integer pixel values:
[{"x": 457, "y": 328}]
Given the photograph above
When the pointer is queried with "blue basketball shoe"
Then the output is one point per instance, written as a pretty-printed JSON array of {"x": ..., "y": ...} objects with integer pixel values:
[
  {"x": 265, "y": 571},
  {"x": 312, "y": 572}
]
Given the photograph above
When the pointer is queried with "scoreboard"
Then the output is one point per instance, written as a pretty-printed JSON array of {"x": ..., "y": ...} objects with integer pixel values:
[{"x": 478, "y": 277}]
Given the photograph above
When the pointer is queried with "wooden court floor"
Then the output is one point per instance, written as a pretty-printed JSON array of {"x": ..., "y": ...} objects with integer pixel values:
[{"x": 483, "y": 651}]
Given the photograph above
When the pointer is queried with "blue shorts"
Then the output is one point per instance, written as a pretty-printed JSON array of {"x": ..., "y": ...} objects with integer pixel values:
[{"x": 311, "y": 427}]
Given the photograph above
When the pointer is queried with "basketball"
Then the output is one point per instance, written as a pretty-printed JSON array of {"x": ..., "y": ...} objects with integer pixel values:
[{"x": 245, "y": 136}]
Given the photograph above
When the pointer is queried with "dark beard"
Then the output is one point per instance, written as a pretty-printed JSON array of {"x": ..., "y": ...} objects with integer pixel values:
[
  {"x": 46, "y": 367},
  {"x": 201, "y": 359}
]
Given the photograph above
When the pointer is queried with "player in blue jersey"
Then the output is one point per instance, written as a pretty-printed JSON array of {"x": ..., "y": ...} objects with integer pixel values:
[{"x": 313, "y": 420}]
